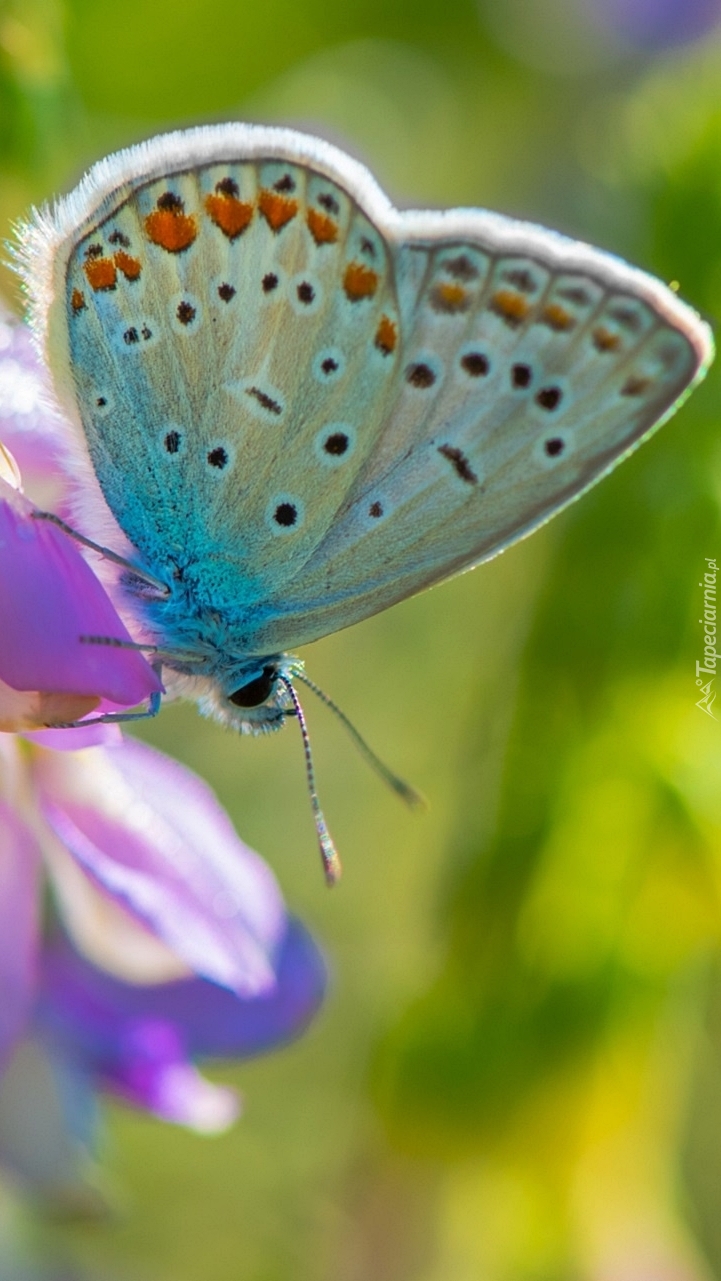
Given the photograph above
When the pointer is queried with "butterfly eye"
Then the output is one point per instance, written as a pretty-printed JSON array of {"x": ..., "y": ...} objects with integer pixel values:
[{"x": 256, "y": 691}]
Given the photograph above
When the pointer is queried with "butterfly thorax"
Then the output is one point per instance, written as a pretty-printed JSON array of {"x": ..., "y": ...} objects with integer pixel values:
[{"x": 201, "y": 648}]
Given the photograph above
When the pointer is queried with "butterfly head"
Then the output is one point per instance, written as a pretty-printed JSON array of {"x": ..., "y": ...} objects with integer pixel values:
[{"x": 252, "y": 699}]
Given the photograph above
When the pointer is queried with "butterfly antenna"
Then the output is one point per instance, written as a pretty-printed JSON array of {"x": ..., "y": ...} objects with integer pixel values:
[
  {"x": 415, "y": 799},
  {"x": 328, "y": 851}
]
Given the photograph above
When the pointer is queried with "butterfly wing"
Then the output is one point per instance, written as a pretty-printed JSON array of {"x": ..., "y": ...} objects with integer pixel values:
[
  {"x": 306, "y": 405},
  {"x": 205, "y": 317},
  {"x": 529, "y": 367}
]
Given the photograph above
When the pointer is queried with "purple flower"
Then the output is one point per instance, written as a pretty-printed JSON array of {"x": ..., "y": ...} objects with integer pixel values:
[
  {"x": 50, "y": 672},
  {"x": 658, "y": 24},
  {"x": 52, "y": 601},
  {"x": 139, "y": 1042},
  {"x": 186, "y": 946},
  {"x": 181, "y": 945}
]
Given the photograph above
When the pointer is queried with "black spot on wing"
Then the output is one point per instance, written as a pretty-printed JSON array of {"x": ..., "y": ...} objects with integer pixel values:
[
  {"x": 459, "y": 462},
  {"x": 286, "y": 514},
  {"x": 521, "y": 375},
  {"x": 264, "y": 400}
]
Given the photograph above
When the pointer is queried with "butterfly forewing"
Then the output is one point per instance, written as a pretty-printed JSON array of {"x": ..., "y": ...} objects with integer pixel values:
[
  {"x": 307, "y": 406},
  {"x": 233, "y": 333}
]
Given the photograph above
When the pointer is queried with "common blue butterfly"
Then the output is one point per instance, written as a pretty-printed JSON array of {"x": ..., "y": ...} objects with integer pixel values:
[{"x": 302, "y": 405}]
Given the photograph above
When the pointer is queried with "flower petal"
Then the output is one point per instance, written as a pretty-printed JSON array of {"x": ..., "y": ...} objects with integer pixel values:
[
  {"x": 82, "y": 1006},
  {"x": 53, "y": 599},
  {"x": 152, "y": 1072},
  {"x": 657, "y": 24},
  {"x": 22, "y": 710},
  {"x": 18, "y": 926},
  {"x": 39, "y": 438},
  {"x": 138, "y": 1041},
  {"x": 9, "y": 470},
  {"x": 156, "y": 839},
  {"x": 179, "y": 1093},
  {"x": 109, "y": 936},
  {"x": 74, "y": 740}
]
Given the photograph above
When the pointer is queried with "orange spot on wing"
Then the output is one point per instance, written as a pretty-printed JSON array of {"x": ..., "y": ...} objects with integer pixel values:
[
  {"x": 322, "y": 228},
  {"x": 277, "y": 209},
  {"x": 228, "y": 213},
  {"x": 129, "y": 266},
  {"x": 511, "y": 307},
  {"x": 557, "y": 318},
  {"x": 359, "y": 281},
  {"x": 386, "y": 336},
  {"x": 101, "y": 273},
  {"x": 450, "y": 297},
  {"x": 77, "y": 301},
  {"x": 171, "y": 229},
  {"x": 605, "y": 340}
]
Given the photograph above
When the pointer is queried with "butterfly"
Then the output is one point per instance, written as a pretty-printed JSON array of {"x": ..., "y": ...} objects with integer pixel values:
[{"x": 301, "y": 405}]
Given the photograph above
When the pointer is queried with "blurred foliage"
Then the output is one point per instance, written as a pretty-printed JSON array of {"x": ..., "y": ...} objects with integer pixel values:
[{"x": 518, "y": 1075}]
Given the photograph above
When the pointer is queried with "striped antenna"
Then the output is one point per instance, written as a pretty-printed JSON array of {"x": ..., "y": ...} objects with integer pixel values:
[
  {"x": 328, "y": 851},
  {"x": 416, "y": 800}
]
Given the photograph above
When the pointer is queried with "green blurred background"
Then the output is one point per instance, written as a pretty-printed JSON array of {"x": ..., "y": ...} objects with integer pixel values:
[{"x": 517, "y": 1076}]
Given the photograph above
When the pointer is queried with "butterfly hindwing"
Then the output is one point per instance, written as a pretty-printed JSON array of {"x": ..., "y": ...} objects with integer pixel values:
[{"x": 509, "y": 403}]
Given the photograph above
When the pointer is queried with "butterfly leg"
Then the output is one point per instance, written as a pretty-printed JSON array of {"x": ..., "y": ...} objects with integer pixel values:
[
  {"x": 116, "y": 718},
  {"x": 114, "y": 643},
  {"x": 105, "y": 552}
]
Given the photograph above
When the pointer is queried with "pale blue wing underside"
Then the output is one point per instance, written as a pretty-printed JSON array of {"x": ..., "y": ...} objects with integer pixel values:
[{"x": 305, "y": 406}]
